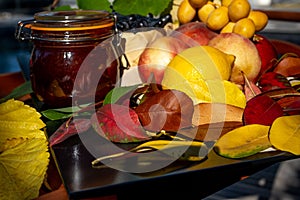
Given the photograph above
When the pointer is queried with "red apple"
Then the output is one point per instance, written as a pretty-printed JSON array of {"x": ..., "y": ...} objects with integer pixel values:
[
  {"x": 157, "y": 55},
  {"x": 267, "y": 52},
  {"x": 194, "y": 33}
]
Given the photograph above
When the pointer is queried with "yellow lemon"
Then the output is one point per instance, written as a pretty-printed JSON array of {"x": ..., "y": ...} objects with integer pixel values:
[
  {"x": 204, "y": 62},
  {"x": 202, "y": 72}
]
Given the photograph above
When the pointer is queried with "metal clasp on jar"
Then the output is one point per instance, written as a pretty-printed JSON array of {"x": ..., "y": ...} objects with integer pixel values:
[{"x": 23, "y": 31}]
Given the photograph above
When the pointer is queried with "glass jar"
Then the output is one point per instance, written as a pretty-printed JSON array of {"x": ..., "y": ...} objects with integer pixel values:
[{"x": 63, "y": 43}]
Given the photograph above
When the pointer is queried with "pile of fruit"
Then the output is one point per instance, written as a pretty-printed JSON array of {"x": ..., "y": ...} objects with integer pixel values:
[
  {"x": 201, "y": 80},
  {"x": 224, "y": 16},
  {"x": 198, "y": 77},
  {"x": 207, "y": 86},
  {"x": 217, "y": 57},
  {"x": 214, "y": 78}
]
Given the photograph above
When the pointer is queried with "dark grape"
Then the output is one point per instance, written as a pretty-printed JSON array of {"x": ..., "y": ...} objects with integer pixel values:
[{"x": 127, "y": 22}]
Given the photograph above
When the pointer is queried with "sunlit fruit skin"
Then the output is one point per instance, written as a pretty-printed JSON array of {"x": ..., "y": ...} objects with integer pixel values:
[
  {"x": 226, "y": 2},
  {"x": 195, "y": 33},
  {"x": 247, "y": 59},
  {"x": 218, "y": 18},
  {"x": 186, "y": 12},
  {"x": 205, "y": 11},
  {"x": 202, "y": 72},
  {"x": 156, "y": 57},
  {"x": 259, "y": 18},
  {"x": 238, "y": 9},
  {"x": 244, "y": 27},
  {"x": 266, "y": 51},
  {"x": 197, "y": 3},
  {"x": 228, "y": 28}
]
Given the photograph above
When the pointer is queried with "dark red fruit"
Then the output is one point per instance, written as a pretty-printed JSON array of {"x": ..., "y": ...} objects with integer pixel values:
[
  {"x": 272, "y": 80},
  {"x": 266, "y": 51}
]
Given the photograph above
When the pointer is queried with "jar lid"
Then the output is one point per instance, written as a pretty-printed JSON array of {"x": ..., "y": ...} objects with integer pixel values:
[
  {"x": 72, "y": 20},
  {"x": 67, "y": 26}
]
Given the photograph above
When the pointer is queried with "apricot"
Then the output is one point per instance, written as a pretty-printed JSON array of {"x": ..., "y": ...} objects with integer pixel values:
[
  {"x": 244, "y": 27},
  {"x": 218, "y": 18},
  {"x": 205, "y": 11},
  {"x": 186, "y": 12},
  {"x": 238, "y": 9}
]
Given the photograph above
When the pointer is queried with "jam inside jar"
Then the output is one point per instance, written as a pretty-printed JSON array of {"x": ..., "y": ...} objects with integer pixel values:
[{"x": 73, "y": 56}]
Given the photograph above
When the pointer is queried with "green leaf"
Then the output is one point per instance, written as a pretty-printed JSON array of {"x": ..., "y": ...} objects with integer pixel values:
[
  {"x": 70, "y": 109},
  {"x": 18, "y": 92},
  {"x": 115, "y": 94},
  {"x": 55, "y": 115},
  {"x": 62, "y": 113},
  {"x": 142, "y": 7},
  {"x": 94, "y": 5}
]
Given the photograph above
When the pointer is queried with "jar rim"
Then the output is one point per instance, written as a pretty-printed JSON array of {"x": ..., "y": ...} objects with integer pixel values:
[
  {"x": 68, "y": 26},
  {"x": 71, "y": 16},
  {"x": 72, "y": 20}
]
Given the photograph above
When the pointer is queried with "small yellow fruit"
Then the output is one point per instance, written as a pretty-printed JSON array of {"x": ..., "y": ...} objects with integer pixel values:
[
  {"x": 186, "y": 12},
  {"x": 259, "y": 18},
  {"x": 218, "y": 18},
  {"x": 244, "y": 27},
  {"x": 226, "y": 2},
  {"x": 228, "y": 28},
  {"x": 205, "y": 11},
  {"x": 238, "y": 9},
  {"x": 198, "y": 3}
]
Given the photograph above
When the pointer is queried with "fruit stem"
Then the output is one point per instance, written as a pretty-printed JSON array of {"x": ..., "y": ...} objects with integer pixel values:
[{"x": 247, "y": 83}]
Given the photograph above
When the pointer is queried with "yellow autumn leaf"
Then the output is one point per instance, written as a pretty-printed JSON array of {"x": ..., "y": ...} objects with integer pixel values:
[
  {"x": 23, "y": 113},
  {"x": 8, "y": 135},
  {"x": 243, "y": 141},
  {"x": 23, "y": 168},
  {"x": 15, "y": 116},
  {"x": 10, "y": 125},
  {"x": 10, "y": 105},
  {"x": 10, "y": 143},
  {"x": 285, "y": 134},
  {"x": 24, "y": 155}
]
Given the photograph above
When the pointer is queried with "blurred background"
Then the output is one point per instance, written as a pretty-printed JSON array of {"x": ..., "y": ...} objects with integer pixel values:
[
  {"x": 12, "y": 52},
  {"x": 11, "y": 11}
]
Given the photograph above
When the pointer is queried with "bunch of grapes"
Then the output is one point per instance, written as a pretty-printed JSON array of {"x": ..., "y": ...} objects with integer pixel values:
[
  {"x": 224, "y": 16},
  {"x": 127, "y": 22}
]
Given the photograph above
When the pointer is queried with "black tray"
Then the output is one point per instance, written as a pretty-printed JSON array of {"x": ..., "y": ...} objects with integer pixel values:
[{"x": 186, "y": 179}]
